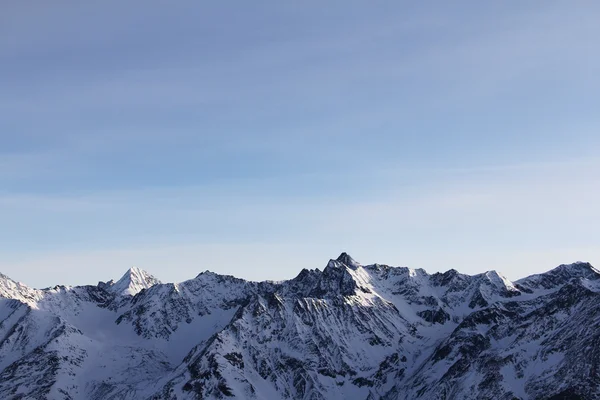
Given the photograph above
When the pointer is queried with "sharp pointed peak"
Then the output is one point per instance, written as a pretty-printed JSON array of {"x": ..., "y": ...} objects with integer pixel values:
[
  {"x": 499, "y": 280},
  {"x": 347, "y": 260},
  {"x": 135, "y": 270},
  {"x": 133, "y": 281},
  {"x": 492, "y": 275}
]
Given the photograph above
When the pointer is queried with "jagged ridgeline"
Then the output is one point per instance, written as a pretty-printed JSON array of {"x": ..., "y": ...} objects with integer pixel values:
[{"x": 345, "y": 332}]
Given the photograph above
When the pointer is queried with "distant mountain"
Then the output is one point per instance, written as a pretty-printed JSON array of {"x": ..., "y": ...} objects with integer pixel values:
[
  {"x": 345, "y": 332},
  {"x": 134, "y": 281}
]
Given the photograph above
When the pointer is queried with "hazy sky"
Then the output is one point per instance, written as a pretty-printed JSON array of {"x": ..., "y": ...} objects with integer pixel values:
[{"x": 259, "y": 138}]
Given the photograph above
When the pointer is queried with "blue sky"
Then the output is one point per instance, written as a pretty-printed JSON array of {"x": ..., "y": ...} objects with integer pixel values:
[{"x": 260, "y": 138}]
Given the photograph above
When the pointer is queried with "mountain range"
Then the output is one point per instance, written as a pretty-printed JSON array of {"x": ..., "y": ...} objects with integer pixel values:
[{"x": 347, "y": 331}]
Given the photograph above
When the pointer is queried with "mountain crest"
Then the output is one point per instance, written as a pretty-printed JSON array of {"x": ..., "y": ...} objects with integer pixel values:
[
  {"x": 577, "y": 269},
  {"x": 499, "y": 281},
  {"x": 346, "y": 332},
  {"x": 345, "y": 259},
  {"x": 133, "y": 282},
  {"x": 11, "y": 289},
  {"x": 560, "y": 276}
]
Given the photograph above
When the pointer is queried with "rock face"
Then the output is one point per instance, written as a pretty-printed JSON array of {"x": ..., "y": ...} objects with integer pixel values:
[{"x": 346, "y": 332}]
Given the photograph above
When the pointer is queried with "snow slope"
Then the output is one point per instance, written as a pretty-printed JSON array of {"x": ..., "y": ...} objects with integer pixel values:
[{"x": 345, "y": 332}]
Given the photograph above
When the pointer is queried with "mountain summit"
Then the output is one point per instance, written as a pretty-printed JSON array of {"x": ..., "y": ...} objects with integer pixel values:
[
  {"x": 345, "y": 259},
  {"x": 349, "y": 331},
  {"x": 134, "y": 280}
]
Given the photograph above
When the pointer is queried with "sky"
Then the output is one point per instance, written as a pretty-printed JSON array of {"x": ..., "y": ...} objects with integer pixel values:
[{"x": 259, "y": 138}]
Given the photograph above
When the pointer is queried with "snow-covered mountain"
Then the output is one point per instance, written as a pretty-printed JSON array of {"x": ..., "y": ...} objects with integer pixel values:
[
  {"x": 345, "y": 332},
  {"x": 134, "y": 281}
]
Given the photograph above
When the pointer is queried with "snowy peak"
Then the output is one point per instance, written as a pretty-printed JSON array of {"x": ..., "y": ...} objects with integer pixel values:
[
  {"x": 133, "y": 282},
  {"x": 346, "y": 332},
  {"x": 560, "y": 276},
  {"x": 10, "y": 289},
  {"x": 449, "y": 278},
  {"x": 499, "y": 281},
  {"x": 350, "y": 262},
  {"x": 576, "y": 270}
]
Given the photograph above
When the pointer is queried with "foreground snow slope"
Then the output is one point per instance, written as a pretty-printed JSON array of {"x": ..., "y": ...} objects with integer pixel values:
[{"x": 345, "y": 332}]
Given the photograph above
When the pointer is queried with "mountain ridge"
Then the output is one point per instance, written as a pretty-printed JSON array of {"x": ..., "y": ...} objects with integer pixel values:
[{"x": 348, "y": 331}]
